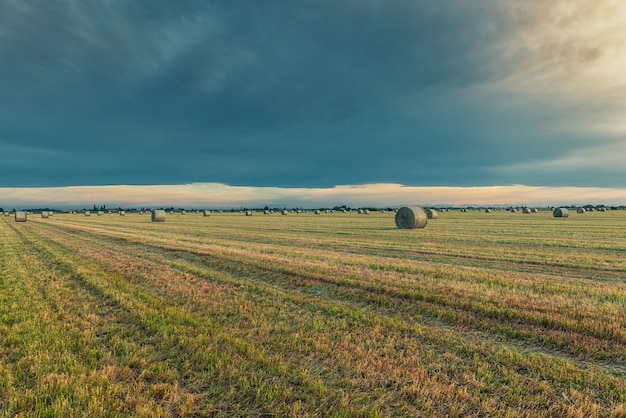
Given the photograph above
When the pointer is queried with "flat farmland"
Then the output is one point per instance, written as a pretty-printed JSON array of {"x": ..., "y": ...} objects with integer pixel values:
[{"x": 478, "y": 314}]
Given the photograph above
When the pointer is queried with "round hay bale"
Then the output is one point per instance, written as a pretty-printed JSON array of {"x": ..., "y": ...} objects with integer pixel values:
[
  {"x": 410, "y": 217},
  {"x": 183, "y": 212},
  {"x": 50, "y": 214},
  {"x": 526, "y": 210},
  {"x": 317, "y": 212},
  {"x": 360, "y": 212},
  {"x": 285, "y": 212},
  {"x": 560, "y": 213},
  {"x": 534, "y": 210},
  {"x": 122, "y": 213},
  {"x": 44, "y": 214},
  {"x": 248, "y": 213},
  {"x": 20, "y": 216},
  {"x": 100, "y": 213},
  {"x": 266, "y": 212},
  {"x": 158, "y": 215},
  {"x": 87, "y": 213},
  {"x": 206, "y": 213},
  {"x": 431, "y": 213},
  {"x": 580, "y": 210}
]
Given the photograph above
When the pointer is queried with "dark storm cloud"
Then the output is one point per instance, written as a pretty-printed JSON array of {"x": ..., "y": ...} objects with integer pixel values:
[{"x": 300, "y": 93}]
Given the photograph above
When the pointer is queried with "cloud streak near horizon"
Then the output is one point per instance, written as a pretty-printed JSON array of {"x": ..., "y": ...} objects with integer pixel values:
[
  {"x": 214, "y": 195},
  {"x": 313, "y": 93}
]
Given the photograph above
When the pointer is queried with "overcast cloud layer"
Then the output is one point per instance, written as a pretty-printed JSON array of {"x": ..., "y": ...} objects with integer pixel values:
[{"x": 313, "y": 93}]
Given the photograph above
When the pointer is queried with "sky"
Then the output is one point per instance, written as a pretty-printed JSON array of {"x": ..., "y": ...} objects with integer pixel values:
[{"x": 298, "y": 99}]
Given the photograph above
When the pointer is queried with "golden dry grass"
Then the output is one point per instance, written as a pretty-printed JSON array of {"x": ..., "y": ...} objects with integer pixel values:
[{"x": 479, "y": 314}]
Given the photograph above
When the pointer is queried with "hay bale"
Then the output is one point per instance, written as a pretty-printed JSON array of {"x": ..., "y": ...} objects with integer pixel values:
[
  {"x": 87, "y": 213},
  {"x": 182, "y": 212},
  {"x": 410, "y": 217},
  {"x": 158, "y": 215},
  {"x": 284, "y": 212},
  {"x": 534, "y": 210},
  {"x": 580, "y": 210},
  {"x": 266, "y": 212},
  {"x": 100, "y": 213},
  {"x": 20, "y": 216},
  {"x": 122, "y": 213},
  {"x": 526, "y": 210},
  {"x": 431, "y": 213},
  {"x": 50, "y": 213},
  {"x": 44, "y": 214},
  {"x": 206, "y": 213},
  {"x": 560, "y": 213},
  {"x": 317, "y": 212},
  {"x": 248, "y": 213}
]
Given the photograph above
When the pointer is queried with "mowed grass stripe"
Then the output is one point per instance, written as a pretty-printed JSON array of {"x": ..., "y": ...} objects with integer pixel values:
[
  {"x": 51, "y": 368},
  {"x": 436, "y": 246},
  {"x": 551, "y": 367},
  {"x": 284, "y": 246},
  {"x": 86, "y": 350},
  {"x": 556, "y": 312},
  {"x": 172, "y": 345}
]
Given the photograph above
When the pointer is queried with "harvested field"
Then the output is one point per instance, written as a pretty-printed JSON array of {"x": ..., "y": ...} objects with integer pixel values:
[{"x": 306, "y": 315}]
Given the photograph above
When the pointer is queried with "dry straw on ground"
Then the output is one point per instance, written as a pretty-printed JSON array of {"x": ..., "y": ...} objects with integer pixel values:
[
  {"x": 158, "y": 215},
  {"x": 410, "y": 217}
]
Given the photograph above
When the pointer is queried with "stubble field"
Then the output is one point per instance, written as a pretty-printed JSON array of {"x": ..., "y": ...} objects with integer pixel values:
[{"x": 479, "y": 314}]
